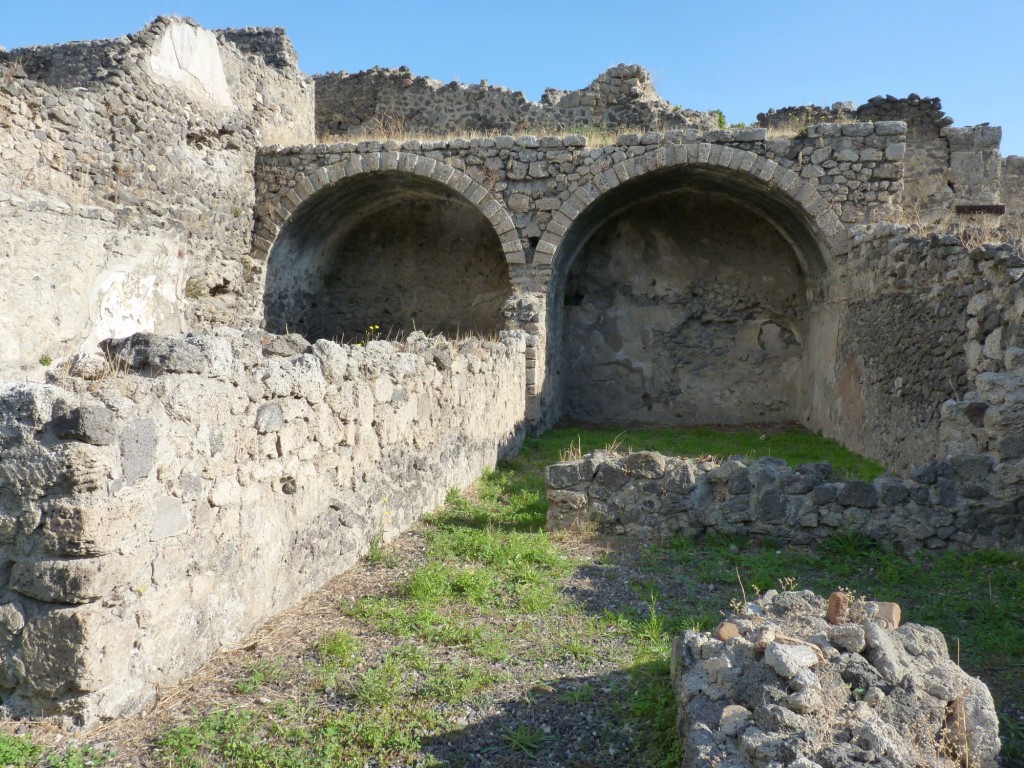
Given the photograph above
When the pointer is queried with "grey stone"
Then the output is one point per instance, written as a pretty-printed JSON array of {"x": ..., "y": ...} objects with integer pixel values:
[
  {"x": 91, "y": 423},
  {"x": 789, "y": 660},
  {"x": 138, "y": 444},
  {"x": 269, "y": 418},
  {"x": 857, "y": 493}
]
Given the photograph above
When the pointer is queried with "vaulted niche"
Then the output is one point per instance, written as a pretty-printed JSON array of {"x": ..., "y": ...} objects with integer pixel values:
[
  {"x": 386, "y": 249},
  {"x": 684, "y": 300}
]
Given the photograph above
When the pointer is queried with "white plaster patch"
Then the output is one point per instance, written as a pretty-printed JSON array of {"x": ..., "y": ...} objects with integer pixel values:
[
  {"x": 131, "y": 300},
  {"x": 190, "y": 57}
]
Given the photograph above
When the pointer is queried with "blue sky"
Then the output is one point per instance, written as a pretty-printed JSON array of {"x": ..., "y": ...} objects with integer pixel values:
[{"x": 741, "y": 56}]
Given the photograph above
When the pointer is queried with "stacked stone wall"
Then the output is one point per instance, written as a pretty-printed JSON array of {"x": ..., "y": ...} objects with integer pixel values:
[
  {"x": 901, "y": 309},
  {"x": 962, "y": 503},
  {"x": 125, "y": 168},
  {"x": 393, "y": 102},
  {"x": 854, "y": 168},
  {"x": 181, "y": 493},
  {"x": 532, "y": 189}
]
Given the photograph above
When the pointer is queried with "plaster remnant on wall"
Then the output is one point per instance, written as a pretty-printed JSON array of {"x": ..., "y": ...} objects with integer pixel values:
[{"x": 189, "y": 56}]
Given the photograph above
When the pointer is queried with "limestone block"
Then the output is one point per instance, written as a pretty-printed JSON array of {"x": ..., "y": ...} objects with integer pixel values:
[
  {"x": 70, "y": 581},
  {"x": 75, "y": 650},
  {"x": 170, "y": 518},
  {"x": 138, "y": 443},
  {"x": 87, "y": 528}
]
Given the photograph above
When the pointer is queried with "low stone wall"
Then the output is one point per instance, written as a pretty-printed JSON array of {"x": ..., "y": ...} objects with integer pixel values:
[
  {"x": 166, "y": 500},
  {"x": 790, "y": 681},
  {"x": 960, "y": 503}
]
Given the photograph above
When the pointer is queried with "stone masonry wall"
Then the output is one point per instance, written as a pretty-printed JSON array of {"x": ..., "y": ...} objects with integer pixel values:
[
  {"x": 125, "y": 181},
  {"x": 531, "y": 189},
  {"x": 963, "y": 502},
  {"x": 160, "y": 506},
  {"x": 904, "y": 322},
  {"x": 393, "y": 102},
  {"x": 855, "y": 168},
  {"x": 944, "y": 166}
]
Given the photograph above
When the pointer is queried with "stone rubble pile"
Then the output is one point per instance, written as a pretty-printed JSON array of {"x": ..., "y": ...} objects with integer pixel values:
[{"x": 793, "y": 680}]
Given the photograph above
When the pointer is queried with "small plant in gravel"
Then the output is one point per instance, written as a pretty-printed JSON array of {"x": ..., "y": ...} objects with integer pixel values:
[
  {"x": 525, "y": 739},
  {"x": 342, "y": 648},
  {"x": 379, "y": 555}
]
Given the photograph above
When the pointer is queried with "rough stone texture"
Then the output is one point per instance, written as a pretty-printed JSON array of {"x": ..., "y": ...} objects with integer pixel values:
[
  {"x": 943, "y": 166},
  {"x": 545, "y": 196},
  {"x": 687, "y": 309},
  {"x": 394, "y": 101},
  {"x": 789, "y": 689},
  {"x": 962, "y": 503},
  {"x": 879, "y": 391},
  {"x": 125, "y": 181},
  {"x": 207, "y": 484}
]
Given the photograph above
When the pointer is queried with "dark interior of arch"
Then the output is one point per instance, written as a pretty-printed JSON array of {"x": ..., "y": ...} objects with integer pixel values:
[
  {"x": 386, "y": 249},
  {"x": 684, "y": 300}
]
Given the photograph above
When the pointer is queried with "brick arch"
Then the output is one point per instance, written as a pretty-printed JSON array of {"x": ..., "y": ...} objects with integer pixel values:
[
  {"x": 357, "y": 164},
  {"x": 818, "y": 216}
]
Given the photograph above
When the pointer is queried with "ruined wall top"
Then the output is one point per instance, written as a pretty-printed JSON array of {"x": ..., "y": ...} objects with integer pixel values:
[
  {"x": 92, "y": 62},
  {"x": 394, "y": 101}
]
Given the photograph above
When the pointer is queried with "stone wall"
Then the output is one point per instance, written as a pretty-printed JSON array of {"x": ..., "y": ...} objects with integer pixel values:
[
  {"x": 544, "y": 196},
  {"x": 169, "y": 498},
  {"x": 969, "y": 501},
  {"x": 789, "y": 679},
  {"x": 125, "y": 169},
  {"x": 382, "y": 103},
  {"x": 893, "y": 338},
  {"x": 687, "y": 309}
]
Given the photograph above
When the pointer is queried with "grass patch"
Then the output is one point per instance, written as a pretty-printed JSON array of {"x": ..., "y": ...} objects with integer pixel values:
[
  {"x": 795, "y": 446},
  {"x": 18, "y": 751},
  {"x": 258, "y": 673}
]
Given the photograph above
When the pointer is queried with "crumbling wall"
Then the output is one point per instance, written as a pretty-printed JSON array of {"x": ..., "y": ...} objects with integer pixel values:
[
  {"x": 893, "y": 338},
  {"x": 788, "y": 679},
  {"x": 381, "y": 103},
  {"x": 125, "y": 170},
  {"x": 969, "y": 501},
  {"x": 186, "y": 489}
]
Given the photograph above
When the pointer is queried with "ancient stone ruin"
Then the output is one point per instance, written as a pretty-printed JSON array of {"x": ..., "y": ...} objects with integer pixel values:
[
  {"x": 236, "y": 355},
  {"x": 791, "y": 680}
]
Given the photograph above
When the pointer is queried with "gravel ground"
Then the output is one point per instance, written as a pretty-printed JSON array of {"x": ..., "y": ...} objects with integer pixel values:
[{"x": 574, "y": 706}]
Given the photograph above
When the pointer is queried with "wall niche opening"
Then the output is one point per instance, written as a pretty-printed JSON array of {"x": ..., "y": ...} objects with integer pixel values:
[
  {"x": 381, "y": 255},
  {"x": 683, "y": 306}
]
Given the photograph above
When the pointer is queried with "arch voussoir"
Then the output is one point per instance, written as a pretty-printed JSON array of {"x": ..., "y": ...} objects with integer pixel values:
[
  {"x": 281, "y": 208},
  {"x": 764, "y": 171}
]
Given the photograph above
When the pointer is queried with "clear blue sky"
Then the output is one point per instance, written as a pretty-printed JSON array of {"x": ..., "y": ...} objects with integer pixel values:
[{"x": 740, "y": 56}]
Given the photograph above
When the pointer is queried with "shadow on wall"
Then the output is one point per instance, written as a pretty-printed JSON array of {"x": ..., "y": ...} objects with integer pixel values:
[
  {"x": 682, "y": 298},
  {"x": 386, "y": 254}
]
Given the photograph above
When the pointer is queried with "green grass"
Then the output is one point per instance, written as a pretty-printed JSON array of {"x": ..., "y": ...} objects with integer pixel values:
[
  {"x": 258, "y": 673},
  {"x": 483, "y": 608},
  {"x": 793, "y": 445},
  {"x": 18, "y": 751}
]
